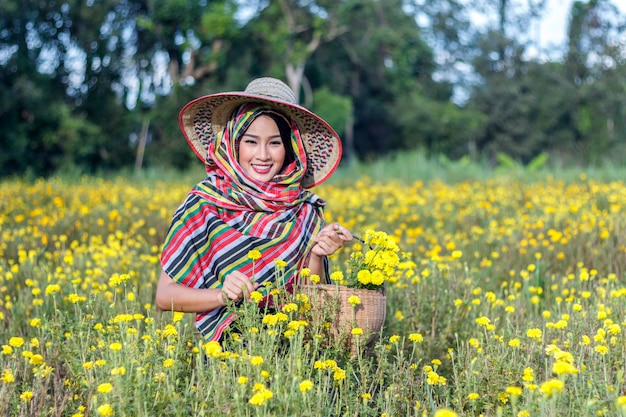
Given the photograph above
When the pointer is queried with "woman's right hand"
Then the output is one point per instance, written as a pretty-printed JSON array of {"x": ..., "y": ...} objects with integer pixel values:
[{"x": 237, "y": 286}]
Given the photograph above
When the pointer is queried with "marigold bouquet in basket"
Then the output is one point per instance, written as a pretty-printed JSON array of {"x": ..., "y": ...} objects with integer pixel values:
[{"x": 371, "y": 265}]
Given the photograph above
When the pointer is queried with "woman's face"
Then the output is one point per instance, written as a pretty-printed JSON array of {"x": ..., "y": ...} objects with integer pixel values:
[{"x": 261, "y": 150}]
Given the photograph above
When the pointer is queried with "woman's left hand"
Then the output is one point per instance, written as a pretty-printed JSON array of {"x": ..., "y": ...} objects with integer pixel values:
[{"x": 330, "y": 239}]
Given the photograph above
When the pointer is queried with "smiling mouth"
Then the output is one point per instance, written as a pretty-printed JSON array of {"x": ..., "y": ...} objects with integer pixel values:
[{"x": 262, "y": 169}]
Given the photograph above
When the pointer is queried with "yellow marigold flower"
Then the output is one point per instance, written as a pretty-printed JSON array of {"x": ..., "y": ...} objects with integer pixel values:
[
  {"x": 416, "y": 338},
  {"x": 115, "y": 346},
  {"x": 444, "y": 412},
  {"x": 364, "y": 277},
  {"x": 529, "y": 375},
  {"x": 457, "y": 254},
  {"x": 177, "y": 316},
  {"x": 483, "y": 321},
  {"x": 254, "y": 255},
  {"x": 357, "y": 331},
  {"x": 523, "y": 413},
  {"x": 168, "y": 363},
  {"x": 315, "y": 279},
  {"x": 242, "y": 380},
  {"x": 265, "y": 374},
  {"x": 256, "y": 360},
  {"x": 560, "y": 368},
  {"x": 354, "y": 300},
  {"x": 256, "y": 296},
  {"x": 261, "y": 397},
  {"x": 16, "y": 342},
  {"x": 514, "y": 391},
  {"x": 290, "y": 307},
  {"x": 339, "y": 374},
  {"x": 514, "y": 342},
  {"x": 7, "y": 350},
  {"x": 620, "y": 403},
  {"x": 305, "y": 272},
  {"x": 36, "y": 359},
  {"x": 280, "y": 264},
  {"x": 26, "y": 396},
  {"x": 534, "y": 333},
  {"x": 336, "y": 276},
  {"x": 394, "y": 338},
  {"x": 105, "y": 388},
  {"x": 306, "y": 385},
  {"x": 378, "y": 278},
  {"x": 552, "y": 387},
  {"x": 52, "y": 288},
  {"x": 105, "y": 410},
  {"x": 7, "y": 376},
  {"x": 601, "y": 349},
  {"x": 473, "y": 396},
  {"x": 34, "y": 322},
  {"x": 212, "y": 349},
  {"x": 121, "y": 370}
]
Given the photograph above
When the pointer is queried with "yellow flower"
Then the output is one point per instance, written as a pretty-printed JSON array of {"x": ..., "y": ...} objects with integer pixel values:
[
  {"x": 212, "y": 349},
  {"x": 168, "y": 363},
  {"x": 601, "y": 349},
  {"x": 16, "y": 342},
  {"x": 357, "y": 331},
  {"x": 514, "y": 391},
  {"x": 256, "y": 360},
  {"x": 105, "y": 410},
  {"x": 26, "y": 396},
  {"x": 552, "y": 387},
  {"x": 534, "y": 333},
  {"x": 105, "y": 388},
  {"x": 115, "y": 346},
  {"x": 7, "y": 376},
  {"x": 254, "y": 255},
  {"x": 444, "y": 412},
  {"x": 364, "y": 277},
  {"x": 514, "y": 342},
  {"x": 561, "y": 367},
  {"x": 242, "y": 380},
  {"x": 416, "y": 338},
  {"x": 620, "y": 403},
  {"x": 7, "y": 350},
  {"x": 339, "y": 374},
  {"x": 306, "y": 385},
  {"x": 394, "y": 338},
  {"x": 256, "y": 296},
  {"x": 177, "y": 316},
  {"x": 280, "y": 264},
  {"x": 290, "y": 307},
  {"x": 473, "y": 396},
  {"x": 354, "y": 300}
]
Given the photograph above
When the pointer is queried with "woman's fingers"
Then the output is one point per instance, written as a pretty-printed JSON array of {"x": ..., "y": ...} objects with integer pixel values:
[
  {"x": 331, "y": 238},
  {"x": 237, "y": 286}
]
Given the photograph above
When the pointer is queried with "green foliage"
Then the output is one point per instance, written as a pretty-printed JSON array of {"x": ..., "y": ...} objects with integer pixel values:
[{"x": 78, "y": 79}]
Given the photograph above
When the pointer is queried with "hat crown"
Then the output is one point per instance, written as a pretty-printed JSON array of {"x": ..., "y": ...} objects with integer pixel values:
[{"x": 271, "y": 88}]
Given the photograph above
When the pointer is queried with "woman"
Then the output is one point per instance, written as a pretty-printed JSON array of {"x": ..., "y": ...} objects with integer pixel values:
[{"x": 262, "y": 153}]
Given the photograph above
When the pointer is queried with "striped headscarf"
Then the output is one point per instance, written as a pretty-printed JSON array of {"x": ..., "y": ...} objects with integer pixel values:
[{"x": 229, "y": 214}]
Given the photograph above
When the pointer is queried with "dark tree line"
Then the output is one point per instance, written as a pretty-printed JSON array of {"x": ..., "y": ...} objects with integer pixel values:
[{"x": 90, "y": 84}]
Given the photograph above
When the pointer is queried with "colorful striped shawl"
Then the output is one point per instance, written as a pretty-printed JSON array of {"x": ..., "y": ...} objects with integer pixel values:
[{"x": 229, "y": 214}]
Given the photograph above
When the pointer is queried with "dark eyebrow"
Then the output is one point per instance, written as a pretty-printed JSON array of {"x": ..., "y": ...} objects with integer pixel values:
[{"x": 257, "y": 136}]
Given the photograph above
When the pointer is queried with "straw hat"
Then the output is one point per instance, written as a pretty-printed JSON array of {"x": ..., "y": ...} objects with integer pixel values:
[{"x": 203, "y": 117}]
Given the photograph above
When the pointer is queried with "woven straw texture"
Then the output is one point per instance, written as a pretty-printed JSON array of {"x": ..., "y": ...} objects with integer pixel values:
[
  {"x": 369, "y": 315},
  {"x": 203, "y": 117}
]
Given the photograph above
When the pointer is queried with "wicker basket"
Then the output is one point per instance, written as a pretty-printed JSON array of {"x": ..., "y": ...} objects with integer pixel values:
[{"x": 331, "y": 301}]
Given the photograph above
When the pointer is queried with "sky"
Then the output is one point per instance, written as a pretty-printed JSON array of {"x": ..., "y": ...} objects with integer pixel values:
[{"x": 552, "y": 31}]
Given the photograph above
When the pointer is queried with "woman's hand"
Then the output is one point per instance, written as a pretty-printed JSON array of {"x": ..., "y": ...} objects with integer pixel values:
[
  {"x": 237, "y": 286},
  {"x": 330, "y": 239}
]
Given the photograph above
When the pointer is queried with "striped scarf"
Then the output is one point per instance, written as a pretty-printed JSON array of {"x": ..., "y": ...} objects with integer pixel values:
[{"x": 229, "y": 214}]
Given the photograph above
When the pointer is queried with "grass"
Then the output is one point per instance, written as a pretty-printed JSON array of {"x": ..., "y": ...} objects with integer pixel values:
[{"x": 511, "y": 302}]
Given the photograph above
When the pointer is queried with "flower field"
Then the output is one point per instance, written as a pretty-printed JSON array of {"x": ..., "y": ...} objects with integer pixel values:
[{"x": 509, "y": 300}]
